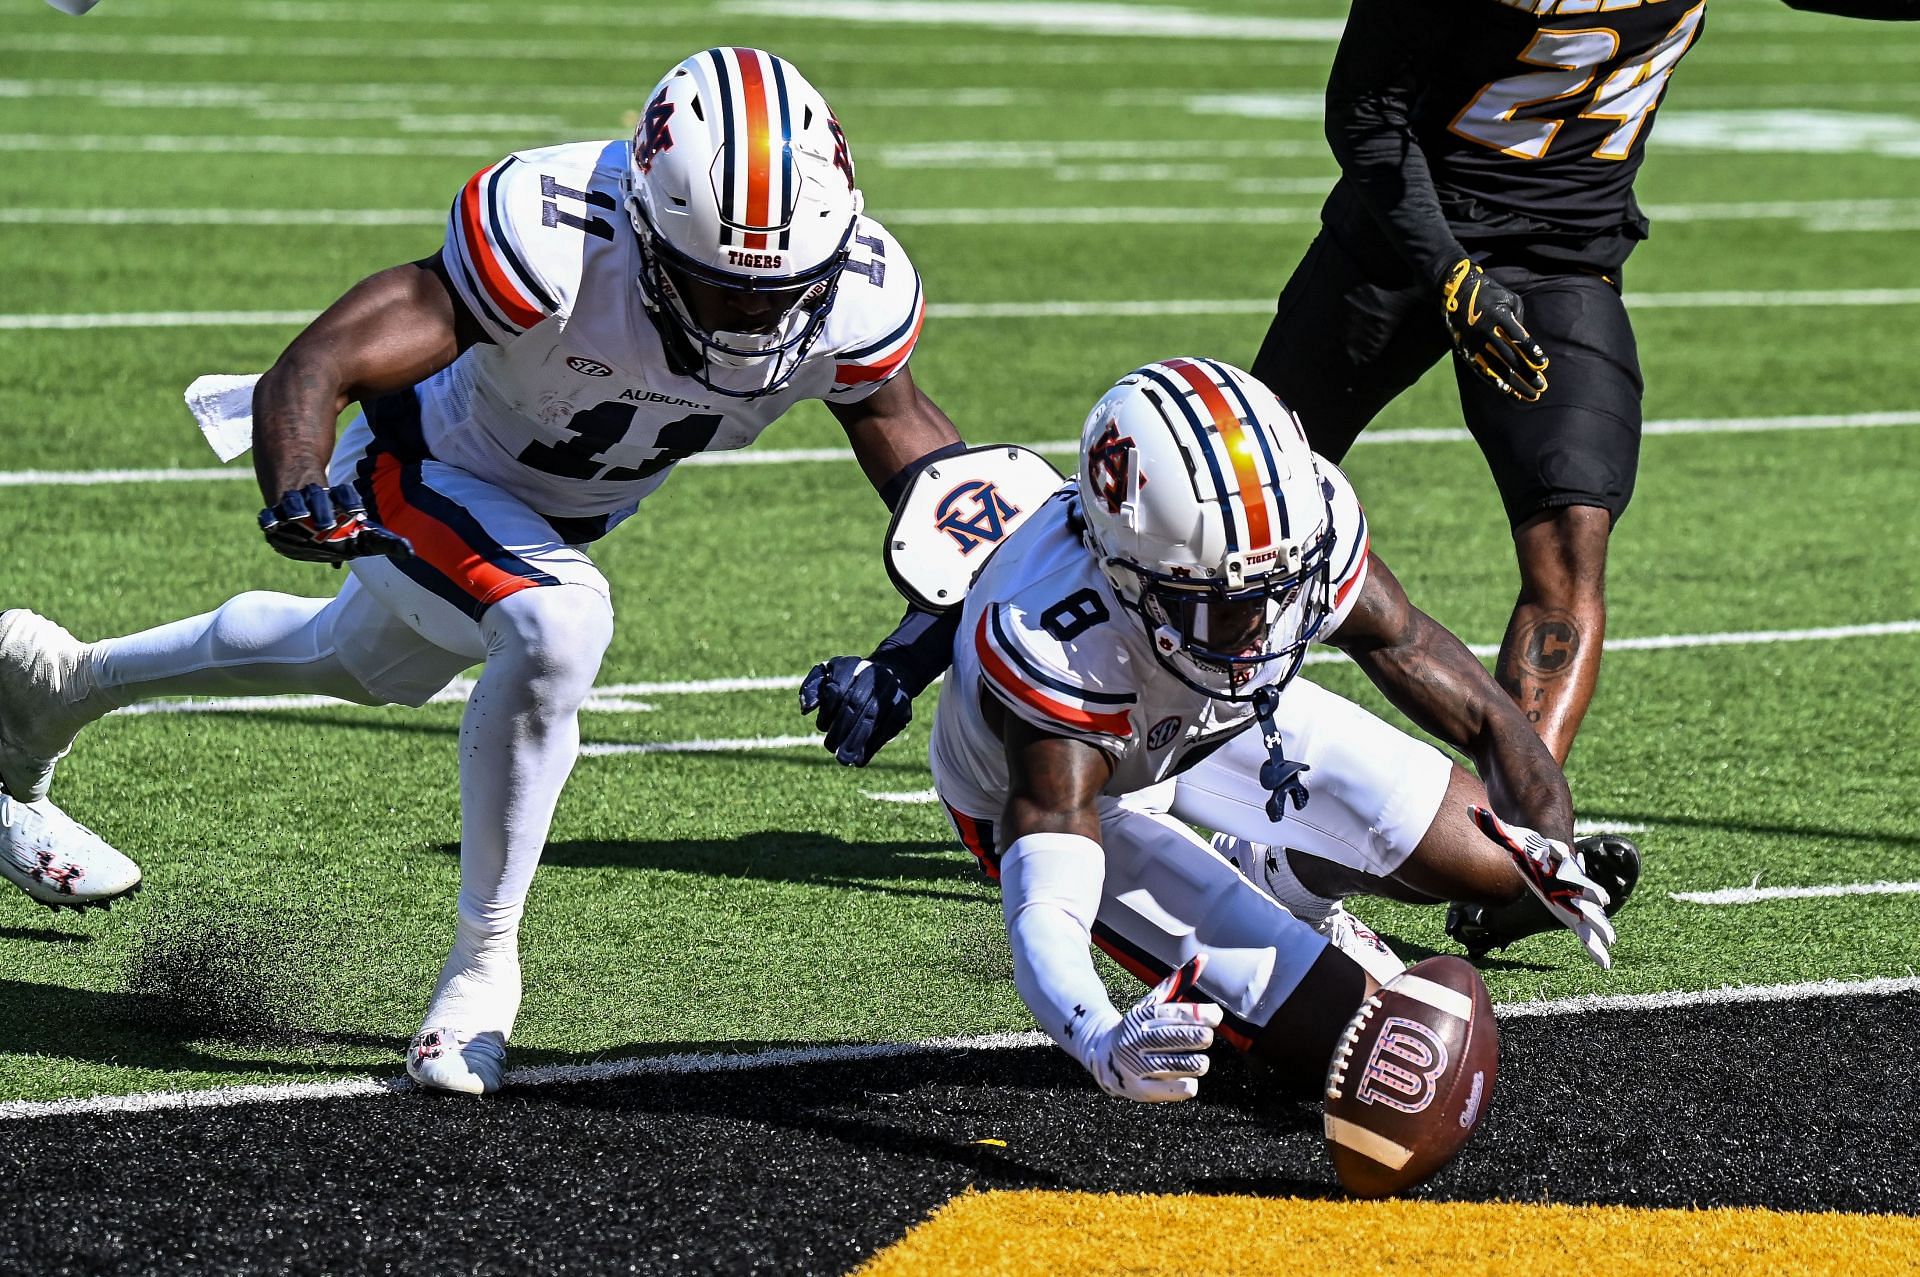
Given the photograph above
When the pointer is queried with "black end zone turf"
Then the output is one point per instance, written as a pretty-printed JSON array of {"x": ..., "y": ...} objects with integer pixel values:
[{"x": 1803, "y": 1105}]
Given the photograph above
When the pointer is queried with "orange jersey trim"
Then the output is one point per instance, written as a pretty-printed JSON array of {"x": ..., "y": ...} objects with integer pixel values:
[
  {"x": 499, "y": 285},
  {"x": 1016, "y": 687}
]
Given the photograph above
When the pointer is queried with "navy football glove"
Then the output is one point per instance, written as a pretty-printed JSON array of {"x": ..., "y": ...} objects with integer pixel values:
[
  {"x": 327, "y": 525},
  {"x": 861, "y": 706},
  {"x": 1483, "y": 317}
]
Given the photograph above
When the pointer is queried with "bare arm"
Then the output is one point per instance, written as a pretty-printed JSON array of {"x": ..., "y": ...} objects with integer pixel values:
[
  {"x": 389, "y": 331},
  {"x": 894, "y": 427},
  {"x": 1052, "y": 780},
  {"x": 1432, "y": 678}
]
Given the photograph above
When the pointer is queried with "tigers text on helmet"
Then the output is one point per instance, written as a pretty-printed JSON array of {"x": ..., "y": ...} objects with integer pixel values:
[
  {"x": 740, "y": 187},
  {"x": 1201, "y": 498}
]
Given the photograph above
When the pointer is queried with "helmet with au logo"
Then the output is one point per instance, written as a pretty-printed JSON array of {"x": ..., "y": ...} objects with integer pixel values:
[
  {"x": 1201, "y": 498},
  {"x": 740, "y": 187}
]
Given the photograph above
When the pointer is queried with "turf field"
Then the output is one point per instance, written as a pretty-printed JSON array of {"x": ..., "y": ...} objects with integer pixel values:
[{"x": 1083, "y": 188}]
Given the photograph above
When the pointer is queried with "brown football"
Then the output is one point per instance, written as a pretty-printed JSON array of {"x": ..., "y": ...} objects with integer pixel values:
[{"x": 1411, "y": 1077}]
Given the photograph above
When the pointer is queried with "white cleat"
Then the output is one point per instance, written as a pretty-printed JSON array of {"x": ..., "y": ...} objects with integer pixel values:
[
  {"x": 1268, "y": 869},
  {"x": 57, "y": 860},
  {"x": 1358, "y": 941},
  {"x": 41, "y": 674},
  {"x": 441, "y": 1059}
]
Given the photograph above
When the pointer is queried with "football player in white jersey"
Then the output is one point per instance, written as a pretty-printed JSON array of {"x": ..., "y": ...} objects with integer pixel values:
[
  {"x": 598, "y": 312},
  {"x": 1127, "y": 663}
]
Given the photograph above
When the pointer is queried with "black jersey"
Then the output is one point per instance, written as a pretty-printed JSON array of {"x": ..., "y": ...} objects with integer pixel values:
[
  {"x": 1528, "y": 118},
  {"x": 1547, "y": 114}
]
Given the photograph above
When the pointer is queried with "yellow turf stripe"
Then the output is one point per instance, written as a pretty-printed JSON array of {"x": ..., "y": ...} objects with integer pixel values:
[{"x": 1048, "y": 1234}]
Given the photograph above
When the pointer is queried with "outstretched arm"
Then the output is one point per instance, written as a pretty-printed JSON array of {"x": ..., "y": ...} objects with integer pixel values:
[
  {"x": 1432, "y": 678},
  {"x": 1051, "y": 877},
  {"x": 389, "y": 331}
]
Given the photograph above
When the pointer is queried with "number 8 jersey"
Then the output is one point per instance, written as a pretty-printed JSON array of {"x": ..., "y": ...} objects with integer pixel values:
[
  {"x": 571, "y": 405},
  {"x": 1042, "y": 633}
]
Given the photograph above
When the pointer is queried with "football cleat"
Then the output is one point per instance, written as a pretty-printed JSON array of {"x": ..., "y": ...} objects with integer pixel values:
[
  {"x": 41, "y": 671},
  {"x": 1361, "y": 943},
  {"x": 1268, "y": 869},
  {"x": 1609, "y": 859},
  {"x": 57, "y": 860},
  {"x": 453, "y": 1061}
]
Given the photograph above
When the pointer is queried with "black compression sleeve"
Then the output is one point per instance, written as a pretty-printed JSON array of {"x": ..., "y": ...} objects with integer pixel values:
[
  {"x": 920, "y": 647},
  {"x": 1371, "y": 92}
]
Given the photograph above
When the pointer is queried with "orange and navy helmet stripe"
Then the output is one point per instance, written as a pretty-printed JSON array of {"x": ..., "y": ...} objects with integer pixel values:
[
  {"x": 1240, "y": 449},
  {"x": 756, "y": 124}
]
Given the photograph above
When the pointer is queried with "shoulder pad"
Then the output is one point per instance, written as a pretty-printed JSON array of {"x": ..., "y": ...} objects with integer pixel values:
[{"x": 956, "y": 513}]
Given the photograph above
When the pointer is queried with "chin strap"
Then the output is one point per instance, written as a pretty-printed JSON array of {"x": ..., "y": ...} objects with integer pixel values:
[{"x": 1279, "y": 774}]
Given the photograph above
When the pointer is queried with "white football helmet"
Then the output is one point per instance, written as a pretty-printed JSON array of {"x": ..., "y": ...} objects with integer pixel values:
[
  {"x": 740, "y": 187},
  {"x": 1201, "y": 497}
]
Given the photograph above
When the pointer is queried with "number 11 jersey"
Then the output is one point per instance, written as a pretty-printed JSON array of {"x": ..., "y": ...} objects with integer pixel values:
[{"x": 572, "y": 405}]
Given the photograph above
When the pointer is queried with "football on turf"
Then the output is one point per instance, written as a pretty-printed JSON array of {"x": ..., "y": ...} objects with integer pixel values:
[{"x": 1411, "y": 1077}]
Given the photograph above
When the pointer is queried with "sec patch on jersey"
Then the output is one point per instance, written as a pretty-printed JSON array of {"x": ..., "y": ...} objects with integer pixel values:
[{"x": 1411, "y": 1078}]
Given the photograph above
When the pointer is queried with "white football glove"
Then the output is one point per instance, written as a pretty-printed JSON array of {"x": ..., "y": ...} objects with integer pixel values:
[
  {"x": 1554, "y": 876},
  {"x": 1156, "y": 1052}
]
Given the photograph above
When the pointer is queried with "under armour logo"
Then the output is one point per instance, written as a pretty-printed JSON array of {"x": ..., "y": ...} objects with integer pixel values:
[
  {"x": 652, "y": 136},
  {"x": 974, "y": 514}
]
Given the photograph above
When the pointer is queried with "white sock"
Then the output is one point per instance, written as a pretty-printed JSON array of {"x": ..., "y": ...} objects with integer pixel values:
[
  {"x": 479, "y": 985},
  {"x": 1269, "y": 868},
  {"x": 519, "y": 739}
]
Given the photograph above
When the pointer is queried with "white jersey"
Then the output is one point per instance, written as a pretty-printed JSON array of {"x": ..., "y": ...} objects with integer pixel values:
[
  {"x": 572, "y": 407},
  {"x": 1043, "y": 633}
]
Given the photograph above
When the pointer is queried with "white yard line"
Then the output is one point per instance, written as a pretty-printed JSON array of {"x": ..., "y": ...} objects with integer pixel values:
[
  {"x": 1056, "y": 447},
  {"x": 737, "y": 746},
  {"x": 800, "y": 1056},
  {"x": 623, "y": 698},
  {"x": 1727, "y": 996},
  {"x": 1820, "y": 214},
  {"x": 1756, "y": 895},
  {"x": 1049, "y": 17},
  {"x": 1719, "y": 299}
]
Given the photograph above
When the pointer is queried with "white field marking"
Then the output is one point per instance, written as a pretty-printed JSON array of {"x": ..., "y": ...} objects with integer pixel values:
[
  {"x": 1729, "y": 995},
  {"x": 1819, "y": 215},
  {"x": 1051, "y": 18},
  {"x": 1755, "y": 895},
  {"x": 835, "y": 50},
  {"x": 67, "y": 321},
  {"x": 1034, "y": 154},
  {"x": 1056, "y": 447},
  {"x": 738, "y": 746},
  {"x": 1260, "y": 106},
  {"x": 623, "y": 698},
  {"x": 250, "y": 144},
  {"x": 700, "y": 1062},
  {"x": 1794, "y": 130}
]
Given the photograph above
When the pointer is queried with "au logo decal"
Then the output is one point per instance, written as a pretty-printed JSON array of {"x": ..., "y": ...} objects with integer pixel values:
[{"x": 974, "y": 514}]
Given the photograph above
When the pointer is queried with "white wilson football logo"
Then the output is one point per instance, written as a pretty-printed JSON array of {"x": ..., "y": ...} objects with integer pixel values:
[{"x": 1406, "y": 1059}]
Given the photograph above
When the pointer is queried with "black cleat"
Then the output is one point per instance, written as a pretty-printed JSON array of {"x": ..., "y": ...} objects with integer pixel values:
[{"x": 1608, "y": 859}]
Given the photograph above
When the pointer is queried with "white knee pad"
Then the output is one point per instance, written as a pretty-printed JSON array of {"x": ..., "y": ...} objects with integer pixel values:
[{"x": 552, "y": 638}]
